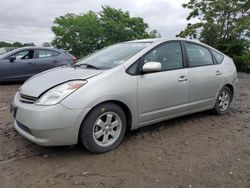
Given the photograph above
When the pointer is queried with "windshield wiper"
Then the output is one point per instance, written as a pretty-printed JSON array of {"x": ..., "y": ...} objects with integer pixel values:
[{"x": 87, "y": 65}]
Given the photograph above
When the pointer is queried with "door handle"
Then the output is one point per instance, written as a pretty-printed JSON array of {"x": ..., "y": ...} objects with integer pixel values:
[
  {"x": 182, "y": 78},
  {"x": 218, "y": 73},
  {"x": 30, "y": 63},
  {"x": 55, "y": 61}
]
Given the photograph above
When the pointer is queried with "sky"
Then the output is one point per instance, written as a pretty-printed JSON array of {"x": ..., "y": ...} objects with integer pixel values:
[{"x": 31, "y": 20}]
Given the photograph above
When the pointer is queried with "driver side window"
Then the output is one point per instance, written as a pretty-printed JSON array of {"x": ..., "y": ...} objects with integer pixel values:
[
  {"x": 169, "y": 55},
  {"x": 26, "y": 54}
]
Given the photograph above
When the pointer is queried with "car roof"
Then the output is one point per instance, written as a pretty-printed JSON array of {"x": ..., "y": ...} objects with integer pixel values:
[
  {"x": 154, "y": 40},
  {"x": 38, "y": 48},
  {"x": 160, "y": 40}
]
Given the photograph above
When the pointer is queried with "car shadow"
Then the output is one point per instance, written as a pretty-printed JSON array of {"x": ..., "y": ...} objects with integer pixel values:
[
  {"x": 168, "y": 124},
  {"x": 5, "y": 83}
]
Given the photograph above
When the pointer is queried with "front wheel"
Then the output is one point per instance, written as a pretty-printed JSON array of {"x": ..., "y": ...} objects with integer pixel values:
[
  {"x": 223, "y": 101},
  {"x": 104, "y": 128}
]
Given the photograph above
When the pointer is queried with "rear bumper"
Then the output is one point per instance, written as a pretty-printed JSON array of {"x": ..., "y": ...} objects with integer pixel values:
[{"x": 235, "y": 87}]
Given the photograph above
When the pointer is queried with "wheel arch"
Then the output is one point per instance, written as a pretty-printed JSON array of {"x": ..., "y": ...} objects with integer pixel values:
[
  {"x": 126, "y": 110},
  {"x": 122, "y": 105},
  {"x": 230, "y": 86}
]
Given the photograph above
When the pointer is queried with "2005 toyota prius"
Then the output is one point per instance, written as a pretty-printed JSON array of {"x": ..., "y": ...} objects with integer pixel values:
[{"x": 123, "y": 87}]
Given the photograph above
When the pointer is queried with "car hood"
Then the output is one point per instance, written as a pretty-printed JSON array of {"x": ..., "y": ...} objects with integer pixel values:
[{"x": 39, "y": 83}]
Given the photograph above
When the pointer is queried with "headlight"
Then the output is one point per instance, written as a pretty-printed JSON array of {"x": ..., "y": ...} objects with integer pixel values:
[{"x": 58, "y": 93}]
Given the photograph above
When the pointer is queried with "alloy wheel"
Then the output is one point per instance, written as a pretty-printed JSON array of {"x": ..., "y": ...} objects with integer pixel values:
[
  {"x": 224, "y": 100},
  {"x": 107, "y": 129}
]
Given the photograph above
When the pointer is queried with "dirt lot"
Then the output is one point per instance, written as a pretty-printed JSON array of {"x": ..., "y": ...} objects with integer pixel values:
[{"x": 200, "y": 150}]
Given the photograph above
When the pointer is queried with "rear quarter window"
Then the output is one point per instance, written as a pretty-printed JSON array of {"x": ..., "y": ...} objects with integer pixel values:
[
  {"x": 218, "y": 56},
  {"x": 56, "y": 53},
  {"x": 67, "y": 53}
]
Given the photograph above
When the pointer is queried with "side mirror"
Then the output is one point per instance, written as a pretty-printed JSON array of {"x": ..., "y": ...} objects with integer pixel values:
[
  {"x": 12, "y": 59},
  {"x": 151, "y": 67}
]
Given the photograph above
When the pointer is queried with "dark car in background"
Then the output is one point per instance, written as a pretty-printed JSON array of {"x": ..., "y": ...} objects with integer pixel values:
[{"x": 22, "y": 63}]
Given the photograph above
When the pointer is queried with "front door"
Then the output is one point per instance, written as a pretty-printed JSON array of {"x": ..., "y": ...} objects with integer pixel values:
[
  {"x": 164, "y": 93},
  {"x": 20, "y": 68}
]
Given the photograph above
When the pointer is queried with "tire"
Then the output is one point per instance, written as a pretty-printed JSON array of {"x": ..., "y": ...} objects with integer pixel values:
[
  {"x": 103, "y": 129},
  {"x": 223, "y": 101}
]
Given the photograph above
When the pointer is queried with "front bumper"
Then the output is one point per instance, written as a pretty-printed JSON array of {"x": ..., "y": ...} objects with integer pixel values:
[{"x": 48, "y": 125}]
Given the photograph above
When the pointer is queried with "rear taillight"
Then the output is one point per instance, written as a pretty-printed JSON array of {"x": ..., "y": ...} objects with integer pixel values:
[{"x": 74, "y": 59}]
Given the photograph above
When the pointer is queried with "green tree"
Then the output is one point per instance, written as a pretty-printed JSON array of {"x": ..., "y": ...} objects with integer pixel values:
[
  {"x": 79, "y": 34},
  {"x": 5, "y": 44},
  {"x": 86, "y": 33},
  {"x": 15, "y": 44},
  {"x": 28, "y": 44},
  {"x": 154, "y": 34},
  {"x": 46, "y": 44},
  {"x": 223, "y": 24},
  {"x": 118, "y": 26}
]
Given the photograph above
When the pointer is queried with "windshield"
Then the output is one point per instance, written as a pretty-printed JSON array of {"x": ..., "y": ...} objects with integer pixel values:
[{"x": 114, "y": 55}]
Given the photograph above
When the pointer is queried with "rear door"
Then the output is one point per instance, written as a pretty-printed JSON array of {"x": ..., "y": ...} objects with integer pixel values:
[
  {"x": 46, "y": 59},
  {"x": 164, "y": 93},
  {"x": 205, "y": 76}
]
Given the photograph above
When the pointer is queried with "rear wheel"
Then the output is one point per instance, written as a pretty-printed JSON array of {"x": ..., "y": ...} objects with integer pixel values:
[
  {"x": 223, "y": 101},
  {"x": 104, "y": 128}
]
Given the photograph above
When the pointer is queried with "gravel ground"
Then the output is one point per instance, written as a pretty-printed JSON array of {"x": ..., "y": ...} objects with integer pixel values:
[{"x": 199, "y": 150}]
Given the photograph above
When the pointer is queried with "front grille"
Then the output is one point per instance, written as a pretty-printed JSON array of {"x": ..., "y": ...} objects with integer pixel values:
[
  {"x": 24, "y": 128},
  {"x": 27, "y": 99}
]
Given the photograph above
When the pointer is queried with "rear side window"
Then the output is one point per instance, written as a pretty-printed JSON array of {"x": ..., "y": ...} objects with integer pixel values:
[
  {"x": 218, "y": 56},
  {"x": 198, "y": 55},
  {"x": 44, "y": 53}
]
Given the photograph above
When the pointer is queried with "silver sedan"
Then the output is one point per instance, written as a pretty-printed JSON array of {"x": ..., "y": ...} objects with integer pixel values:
[{"x": 120, "y": 88}]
